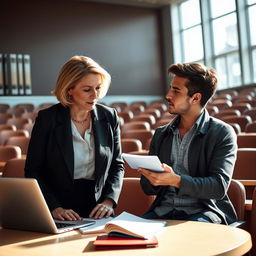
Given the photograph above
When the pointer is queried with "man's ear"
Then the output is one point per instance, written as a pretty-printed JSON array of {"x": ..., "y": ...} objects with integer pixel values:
[{"x": 196, "y": 98}]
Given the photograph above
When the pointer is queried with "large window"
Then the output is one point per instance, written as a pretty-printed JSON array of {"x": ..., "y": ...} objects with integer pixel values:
[
  {"x": 212, "y": 32},
  {"x": 252, "y": 22},
  {"x": 191, "y": 31}
]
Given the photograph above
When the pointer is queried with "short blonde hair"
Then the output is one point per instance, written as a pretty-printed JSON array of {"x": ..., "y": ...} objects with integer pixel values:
[{"x": 73, "y": 71}]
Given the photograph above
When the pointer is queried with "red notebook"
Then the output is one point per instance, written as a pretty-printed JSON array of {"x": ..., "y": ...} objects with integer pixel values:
[{"x": 105, "y": 242}]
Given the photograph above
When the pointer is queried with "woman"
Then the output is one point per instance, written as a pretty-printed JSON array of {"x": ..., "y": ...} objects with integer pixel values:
[{"x": 75, "y": 151}]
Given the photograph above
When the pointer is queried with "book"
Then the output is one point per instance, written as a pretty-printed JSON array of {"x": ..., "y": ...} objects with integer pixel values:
[
  {"x": 97, "y": 227},
  {"x": 149, "y": 162},
  {"x": 106, "y": 242},
  {"x": 131, "y": 226}
]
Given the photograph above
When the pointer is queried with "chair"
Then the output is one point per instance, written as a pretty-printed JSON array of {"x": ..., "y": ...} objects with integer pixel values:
[
  {"x": 30, "y": 115},
  {"x": 246, "y": 140},
  {"x": 236, "y": 127},
  {"x": 142, "y": 135},
  {"x": 4, "y": 117},
  {"x": 221, "y": 103},
  {"x": 5, "y": 134},
  {"x": 161, "y": 122},
  {"x": 154, "y": 112},
  {"x": 251, "y": 127},
  {"x": 136, "y": 125},
  {"x": 7, "y": 127},
  {"x": 251, "y": 112},
  {"x": 135, "y": 109},
  {"x": 139, "y": 103},
  {"x": 16, "y": 111},
  {"x": 28, "y": 127},
  {"x": 237, "y": 195},
  {"x": 29, "y": 107},
  {"x": 132, "y": 198},
  {"x": 242, "y": 107},
  {"x": 244, "y": 169},
  {"x": 129, "y": 145},
  {"x": 126, "y": 115},
  {"x": 20, "y": 141},
  {"x": 4, "y": 107},
  {"x": 119, "y": 105},
  {"x": 227, "y": 112},
  {"x": 18, "y": 121},
  {"x": 146, "y": 118},
  {"x": 14, "y": 168},
  {"x": 8, "y": 152},
  {"x": 212, "y": 109},
  {"x": 241, "y": 120},
  {"x": 161, "y": 106},
  {"x": 253, "y": 224}
]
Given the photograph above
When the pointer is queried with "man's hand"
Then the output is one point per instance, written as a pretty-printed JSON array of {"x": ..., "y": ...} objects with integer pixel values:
[{"x": 166, "y": 178}]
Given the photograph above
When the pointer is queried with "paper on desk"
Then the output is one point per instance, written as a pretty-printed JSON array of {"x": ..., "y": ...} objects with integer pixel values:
[
  {"x": 141, "y": 161},
  {"x": 97, "y": 227}
]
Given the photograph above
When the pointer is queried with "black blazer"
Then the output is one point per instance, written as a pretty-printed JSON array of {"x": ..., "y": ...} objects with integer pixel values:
[{"x": 50, "y": 157}]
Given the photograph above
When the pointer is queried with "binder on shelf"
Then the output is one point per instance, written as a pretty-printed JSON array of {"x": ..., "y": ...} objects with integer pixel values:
[
  {"x": 27, "y": 74},
  {"x": 10, "y": 74},
  {"x": 1, "y": 74},
  {"x": 21, "y": 89}
]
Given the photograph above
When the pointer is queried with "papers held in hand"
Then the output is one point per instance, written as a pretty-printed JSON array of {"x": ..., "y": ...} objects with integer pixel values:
[{"x": 151, "y": 163}]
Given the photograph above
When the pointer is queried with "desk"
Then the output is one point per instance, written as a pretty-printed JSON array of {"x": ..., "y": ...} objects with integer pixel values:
[{"x": 179, "y": 238}]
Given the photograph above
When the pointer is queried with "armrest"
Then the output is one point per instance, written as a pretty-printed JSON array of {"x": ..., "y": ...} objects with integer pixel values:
[{"x": 248, "y": 182}]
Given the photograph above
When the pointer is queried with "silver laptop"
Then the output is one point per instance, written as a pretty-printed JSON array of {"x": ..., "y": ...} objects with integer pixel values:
[{"x": 22, "y": 206}]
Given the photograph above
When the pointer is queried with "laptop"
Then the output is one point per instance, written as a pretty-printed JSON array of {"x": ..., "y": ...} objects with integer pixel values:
[{"x": 22, "y": 206}]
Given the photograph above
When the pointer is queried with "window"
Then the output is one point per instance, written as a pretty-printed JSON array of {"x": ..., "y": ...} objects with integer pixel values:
[
  {"x": 191, "y": 31},
  {"x": 252, "y": 23}
]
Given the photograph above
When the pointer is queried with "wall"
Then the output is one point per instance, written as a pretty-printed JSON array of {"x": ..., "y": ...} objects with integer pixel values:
[{"x": 125, "y": 40}]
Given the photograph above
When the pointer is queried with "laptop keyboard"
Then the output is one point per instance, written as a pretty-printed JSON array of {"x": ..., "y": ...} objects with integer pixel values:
[{"x": 63, "y": 225}]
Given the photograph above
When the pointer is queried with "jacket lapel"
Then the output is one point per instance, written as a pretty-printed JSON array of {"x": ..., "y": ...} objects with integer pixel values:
[
  {"x": 64, "y": 138},
  {"x": 101, "y": 137}
]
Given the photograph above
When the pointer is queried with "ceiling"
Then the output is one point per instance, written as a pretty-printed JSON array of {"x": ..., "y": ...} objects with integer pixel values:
[{"x": 142, "y": 3}]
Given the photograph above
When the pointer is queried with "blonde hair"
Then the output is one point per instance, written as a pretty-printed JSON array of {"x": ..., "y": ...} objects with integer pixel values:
[{"x": 73, "y": 71}]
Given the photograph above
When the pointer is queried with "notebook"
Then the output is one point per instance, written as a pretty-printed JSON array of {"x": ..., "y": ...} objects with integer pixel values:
[
  {"x": 22, "y": 206},
  {"x": 105, "y": 242}
]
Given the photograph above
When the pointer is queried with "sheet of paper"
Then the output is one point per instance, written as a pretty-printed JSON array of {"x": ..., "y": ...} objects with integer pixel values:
[
  {"x": 141, "y": 161},
  {"x": 97, "y": 227}
]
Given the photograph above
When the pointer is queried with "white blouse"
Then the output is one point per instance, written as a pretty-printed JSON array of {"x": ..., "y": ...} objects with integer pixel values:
[{"x": 84, "y": 153}]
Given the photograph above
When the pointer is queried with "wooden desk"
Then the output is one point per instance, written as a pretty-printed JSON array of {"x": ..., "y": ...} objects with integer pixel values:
[{"x": 178, "y": 238}]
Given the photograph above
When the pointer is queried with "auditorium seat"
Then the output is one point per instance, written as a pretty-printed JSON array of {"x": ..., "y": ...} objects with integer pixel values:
[
  {"x": 14, "y": 168},
  {"x": 132, "y": 198},
  {"x": 5, "y": 134},
  {"x": 129, "y": 145}
]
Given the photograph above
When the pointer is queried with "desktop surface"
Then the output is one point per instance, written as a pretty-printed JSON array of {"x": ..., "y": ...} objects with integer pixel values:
[{"x": 179, "y": 238}]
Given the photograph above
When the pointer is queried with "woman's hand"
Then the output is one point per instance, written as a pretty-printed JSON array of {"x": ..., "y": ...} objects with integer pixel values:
[
  {"x": 102, "y": 210},
  {"x": 65, "y": 214}
]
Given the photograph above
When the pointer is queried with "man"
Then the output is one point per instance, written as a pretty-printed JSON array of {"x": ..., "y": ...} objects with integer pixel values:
[{"x": 198, "y": 153}]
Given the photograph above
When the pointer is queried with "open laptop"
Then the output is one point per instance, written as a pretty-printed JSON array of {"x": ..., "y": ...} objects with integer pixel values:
[{"x": 22, "y": 206}]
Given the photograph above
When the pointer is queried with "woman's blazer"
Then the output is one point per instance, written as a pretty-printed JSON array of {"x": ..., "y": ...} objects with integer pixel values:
[{"x": 50, "y": 157}]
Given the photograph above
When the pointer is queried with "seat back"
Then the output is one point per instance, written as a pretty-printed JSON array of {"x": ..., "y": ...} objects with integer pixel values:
[
  {"x": 6, "y": 134},
  {"x": 251, "y": 127},
  {"x": 20, "y": 141},
  {"x": 253, "y": 224},
  {"x": 142, "y": 135},
  {"x": 237, "y": 195},
  {"x": 129, "y": 145},
  {"x": 132, "y": 198},
  {"x": 241, "y": 120},
  {"x": 14, "y": 168},
  {"x": 245, "y": 167},
  {"x": 8, "y": 152},
  {"x": 246, "y": 140}
]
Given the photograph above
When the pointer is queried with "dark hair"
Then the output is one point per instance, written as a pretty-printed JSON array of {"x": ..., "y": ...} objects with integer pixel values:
[{"x": 200, "y": 79}]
